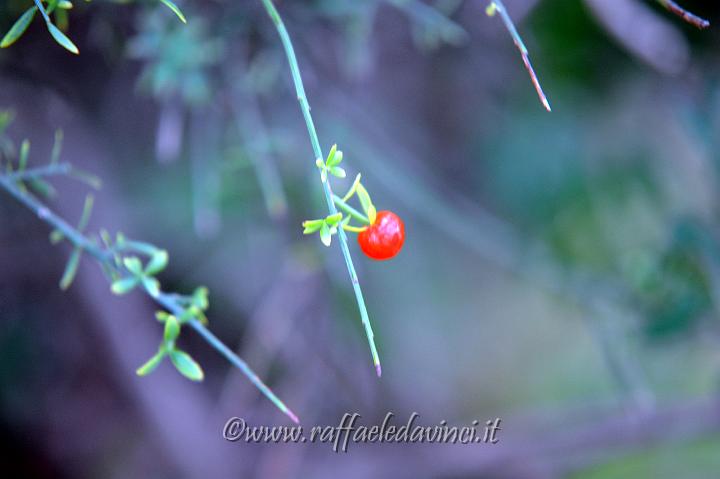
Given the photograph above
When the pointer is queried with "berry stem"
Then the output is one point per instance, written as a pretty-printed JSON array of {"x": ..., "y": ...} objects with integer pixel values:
[
  {"x": 315, "y": 142},
  {"x": 350, "y": 210}
]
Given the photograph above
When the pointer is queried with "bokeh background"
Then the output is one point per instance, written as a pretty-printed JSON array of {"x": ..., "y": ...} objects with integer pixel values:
[{"x": 561, "y": 271}]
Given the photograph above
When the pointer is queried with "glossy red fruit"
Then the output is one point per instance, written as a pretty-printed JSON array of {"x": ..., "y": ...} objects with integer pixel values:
[{"x": 384, "y": 238}]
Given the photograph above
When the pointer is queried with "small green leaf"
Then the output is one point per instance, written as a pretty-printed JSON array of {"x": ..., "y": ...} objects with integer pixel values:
[
  {"x": 70, "y": 269},
  {"x": 87, "y": 211},
  {"x": 336, "y": 159},
  {"x": 18, "y": 28},
  {"x": 186, "y": 365},
  {"x": 311, "y": 226},
  {"x": 106, "y": 239},
  {"x": 364, "y": 198},
  {"x": 157, "y": 263},
  {"x": 24, "y": 152},
  {"x": 63, "y": 40},
  {"x": 331, "y": 160},
  {"x": 372, "y": 214},
  {"x": 151, "y": 285},
  {"x": 319, "y": 163},
  {"x": 325, "y": 235},
  {"x": 65, "y": 5},
  {"x": 175, "y": 9},
  {"x": 353, "y": 188},
  {"x": 42, "y": 187},
  {"x": 162, "y": 316},
  {"x": 201, "y": 317},
  {"x": 200, "y": 298},
  {"x": 151, "y": 364},
  {"x": 337, "y": 171},
  {"x": 89, "y": 179},
  {"x": 124, "y": 285},
  {"x": 172, "y": 329},
  {"x": 332, "y": 220},
  {"x": 134, "y": 265},
  {"x": 491, "y": 9}
]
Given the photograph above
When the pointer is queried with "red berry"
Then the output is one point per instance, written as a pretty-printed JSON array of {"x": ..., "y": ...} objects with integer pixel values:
[{"x": 384, "y": 238}]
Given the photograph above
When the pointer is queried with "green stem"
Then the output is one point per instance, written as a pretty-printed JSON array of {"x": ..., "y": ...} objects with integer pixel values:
[
  {"x": 305, "y": 108},
  {"x": 167, "y": 300},
  {"x": 350, "y": 210}
]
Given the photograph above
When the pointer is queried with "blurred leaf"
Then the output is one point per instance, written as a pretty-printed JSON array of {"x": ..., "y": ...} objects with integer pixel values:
[
  {"x": 19, "y": 27},
  {"x": 63, "y": 40},
  {"x": 175, "y": 9},
  {"x": 124, "y": 285},
  {"x": 337, "y": 171},
  {"x": 333, "y": 220},
  {"x": 158, "y": 262},
  {"x": 151, "y": 364},
  {"x": 172, "y": 329},
  {"x": 186, "y": 365},
  {"x": 325, "y": 235},
  {"x": 57, "y": 146},
  {"x": 134, "y": 265},
  {"x": 200, "y": 298},
  {"x": 364, "y": 198},
  {"x": 24, "y": 152},
  {"x": 71, "y": 269},
  {"x": 311, "y": 226},
  {"x": 87, "y": 211},
  {"x": 151, "y": 285}
]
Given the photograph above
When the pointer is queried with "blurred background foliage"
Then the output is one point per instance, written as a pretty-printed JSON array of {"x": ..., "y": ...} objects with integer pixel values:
[{"x": 561, "y": 271}]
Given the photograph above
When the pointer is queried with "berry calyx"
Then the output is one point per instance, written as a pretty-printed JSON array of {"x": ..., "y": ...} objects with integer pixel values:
[{"x": 384, "y": 238}]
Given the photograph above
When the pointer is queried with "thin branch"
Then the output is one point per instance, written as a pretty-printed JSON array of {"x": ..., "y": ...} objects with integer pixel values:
[
  {"x": 497, "y": 6},
  {"x": 350, "y": 210},
  {"x": 305, "y": 108},
  {"x": 57, "y": 169},
  {"x": 691, "y": 18},
  {"x": 170, "y": 301}
]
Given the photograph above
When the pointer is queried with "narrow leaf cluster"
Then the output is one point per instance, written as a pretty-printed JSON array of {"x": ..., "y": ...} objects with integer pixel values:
[{"x": 57, "y": 9}]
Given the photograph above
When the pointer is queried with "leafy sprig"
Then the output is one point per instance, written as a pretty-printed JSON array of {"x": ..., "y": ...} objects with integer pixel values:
[
  {"x": 121, "y": 262},
  {"x": 59, "y": 9},
  {"x": 327, "y": 189}
]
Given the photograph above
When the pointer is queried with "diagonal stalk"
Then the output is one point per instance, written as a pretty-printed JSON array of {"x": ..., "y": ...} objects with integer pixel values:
[
  {"x": 499, "y": 7},
  {"x": 305, "y": 108},
  {"x": 167, "y": 300},
  {"x": 689, "y": 17}
]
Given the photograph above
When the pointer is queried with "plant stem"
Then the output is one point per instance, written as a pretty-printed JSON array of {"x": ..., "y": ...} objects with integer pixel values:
[
  {"x": 305, "y": 108},
  {"x": 56, "y": 169},
  {"x": 692, "y": 19},
  {"x": 167, "y": 300},
  {"x": 499, "y": 6},
  {"x": 350, "y": 210}
]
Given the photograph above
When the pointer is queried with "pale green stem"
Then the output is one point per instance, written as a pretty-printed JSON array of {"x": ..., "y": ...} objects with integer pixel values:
[
  {"x": 167, "y": 300},
  {"x": 305, "y": 108}
]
